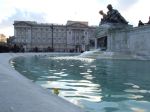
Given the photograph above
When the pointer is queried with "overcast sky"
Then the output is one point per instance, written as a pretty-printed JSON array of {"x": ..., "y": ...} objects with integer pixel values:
[{"x": 59, "y": 11}]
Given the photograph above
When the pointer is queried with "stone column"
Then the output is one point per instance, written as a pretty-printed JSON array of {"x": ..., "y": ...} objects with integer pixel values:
[{"x": 95, "y": 43}]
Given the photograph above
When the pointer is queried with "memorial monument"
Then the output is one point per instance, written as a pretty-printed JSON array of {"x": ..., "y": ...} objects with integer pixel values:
[
  {"x": 110, "y": 22},
  {"x": 115, "y": 38}
]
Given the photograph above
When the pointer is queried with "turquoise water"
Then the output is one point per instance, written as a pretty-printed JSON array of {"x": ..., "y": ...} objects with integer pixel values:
[{"x": 94, "y": 85}]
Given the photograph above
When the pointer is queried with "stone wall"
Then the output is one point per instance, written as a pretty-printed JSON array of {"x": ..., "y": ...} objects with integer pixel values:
[{"x": 132, "y": 40}]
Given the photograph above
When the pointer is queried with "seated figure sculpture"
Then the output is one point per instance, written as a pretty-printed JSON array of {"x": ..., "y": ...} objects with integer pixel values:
[
  {"x": 148, "y": 20},
  {"x": 104, "y": 19},
  {"x": 113, "y": 16}
]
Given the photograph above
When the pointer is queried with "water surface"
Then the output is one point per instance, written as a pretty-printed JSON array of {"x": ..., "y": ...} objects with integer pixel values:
[{"x": 94, "y": 85}]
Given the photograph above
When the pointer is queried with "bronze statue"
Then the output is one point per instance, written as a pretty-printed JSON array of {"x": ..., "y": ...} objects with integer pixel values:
[
  {"x": 148, "y": 20},
  {"x": 140, "y": 23},
  {"x": 113, "y": 16},
  {"x": 104, "y": 19}
]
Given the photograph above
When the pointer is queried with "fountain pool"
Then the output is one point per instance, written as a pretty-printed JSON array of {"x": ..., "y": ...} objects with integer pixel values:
[{"x": 96, "y": 85}]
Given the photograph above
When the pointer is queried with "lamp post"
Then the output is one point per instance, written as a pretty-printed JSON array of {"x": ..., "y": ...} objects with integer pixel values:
[
  {"x": 83, "y": 44},
  {"x": 52, "y": 27}
]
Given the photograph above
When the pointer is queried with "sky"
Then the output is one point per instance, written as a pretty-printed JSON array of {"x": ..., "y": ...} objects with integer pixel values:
[{"x": 60, "y": 11}]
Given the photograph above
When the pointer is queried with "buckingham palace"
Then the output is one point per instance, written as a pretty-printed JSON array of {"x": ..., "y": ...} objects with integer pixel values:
[{"x": 75, "y": 36}]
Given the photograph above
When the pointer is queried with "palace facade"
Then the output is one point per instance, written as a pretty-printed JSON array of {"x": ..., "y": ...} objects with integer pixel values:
[{"x": 75, "y": 36}]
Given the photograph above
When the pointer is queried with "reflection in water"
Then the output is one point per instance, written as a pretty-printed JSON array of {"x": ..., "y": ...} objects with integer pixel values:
[{"x": 95, "y": 85}]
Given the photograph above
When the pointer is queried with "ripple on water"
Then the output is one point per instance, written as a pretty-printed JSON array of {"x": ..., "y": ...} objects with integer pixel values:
[
  {"x": 52, "y": 70},
  {"x": 89, "y": 77},
  {"x": 58, "y": 73},
  {"x": 81, "y": 66},
  {"x": 89, "y": 70},
  {"x": 93, "y": 66},
  {"x": 97, "y": 86},
  {"x": 63, "y": 69},
  {"x": 50, "y": 77},
  {"x": 63, "y": 75},
  {"x": 137, "y": 91},
  {"x": 84, "y": 73}
]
